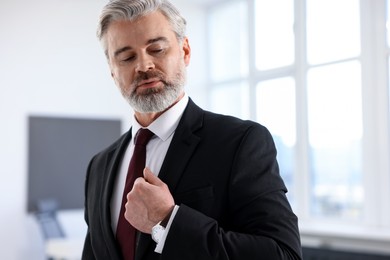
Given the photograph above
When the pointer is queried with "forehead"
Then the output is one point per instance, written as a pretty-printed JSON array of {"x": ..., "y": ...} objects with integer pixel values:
[{"x": 137, "y": 33}]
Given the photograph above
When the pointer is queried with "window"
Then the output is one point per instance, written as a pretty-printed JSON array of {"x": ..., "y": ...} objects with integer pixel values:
[
  {"x": 333, "y": 30},
  {"x": 229, "y": 66},
  {"x": 335, "y": 139},
  {"x": 231, "y": 99},
  {"x": 230, "y": 60},
  {"x": 274, "y": 44},
  {"x": 312, "y": 71},
  {"x": 276, "y": 110}
]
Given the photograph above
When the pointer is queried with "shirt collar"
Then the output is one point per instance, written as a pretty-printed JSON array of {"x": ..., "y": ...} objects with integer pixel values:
[{"x": 165, "y": 125}]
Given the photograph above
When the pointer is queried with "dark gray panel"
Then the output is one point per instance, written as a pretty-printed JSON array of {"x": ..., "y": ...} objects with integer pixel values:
[{"x": 59, "y": 151}]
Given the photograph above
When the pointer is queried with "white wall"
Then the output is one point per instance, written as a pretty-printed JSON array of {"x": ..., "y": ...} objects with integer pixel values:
[{"x": 52, "y": 64}]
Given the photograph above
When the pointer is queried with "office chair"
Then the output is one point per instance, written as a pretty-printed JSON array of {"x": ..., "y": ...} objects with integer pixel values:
[{"x": 46, "y": 215}]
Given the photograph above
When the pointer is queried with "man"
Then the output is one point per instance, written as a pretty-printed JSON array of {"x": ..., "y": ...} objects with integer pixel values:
[{"x": 211, "y": 187}]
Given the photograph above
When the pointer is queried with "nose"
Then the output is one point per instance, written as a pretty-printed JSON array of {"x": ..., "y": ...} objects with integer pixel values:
[{"x": 144, "y": 63}]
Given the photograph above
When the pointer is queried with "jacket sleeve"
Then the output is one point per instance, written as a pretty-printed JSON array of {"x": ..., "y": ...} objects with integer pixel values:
[{"x": 262, "y": 224}]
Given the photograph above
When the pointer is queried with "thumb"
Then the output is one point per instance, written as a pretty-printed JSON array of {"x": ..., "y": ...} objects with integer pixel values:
[{"x": 151, "y": 178}]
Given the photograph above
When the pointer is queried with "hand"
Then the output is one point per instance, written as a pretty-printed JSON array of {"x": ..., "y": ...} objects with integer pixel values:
[{"x": 149, "y": 202}]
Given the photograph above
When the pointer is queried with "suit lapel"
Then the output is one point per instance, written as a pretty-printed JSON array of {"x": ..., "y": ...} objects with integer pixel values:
[
  {"x": 113, "y": 161},
  {"x": 182, "y": 146}
]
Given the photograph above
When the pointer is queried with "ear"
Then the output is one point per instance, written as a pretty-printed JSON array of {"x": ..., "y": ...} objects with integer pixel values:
[
  {"x": 186, "y": 51},
  {"x": 113, "y": 76},
  {"x": 111, "y": 69}
]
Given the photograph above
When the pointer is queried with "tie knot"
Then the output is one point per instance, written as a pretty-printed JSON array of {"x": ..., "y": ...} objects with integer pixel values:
[{"x": 143, "y": 136}]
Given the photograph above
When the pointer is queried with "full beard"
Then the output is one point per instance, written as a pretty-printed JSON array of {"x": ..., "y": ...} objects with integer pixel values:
[{"x": 155, "y": 100}]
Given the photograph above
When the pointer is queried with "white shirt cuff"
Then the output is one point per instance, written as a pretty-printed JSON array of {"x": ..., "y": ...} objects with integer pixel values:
[{"x": 160, "y": 246}]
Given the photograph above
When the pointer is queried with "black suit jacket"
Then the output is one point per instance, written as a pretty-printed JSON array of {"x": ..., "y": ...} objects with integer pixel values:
[{"x": 223, "y": 174}]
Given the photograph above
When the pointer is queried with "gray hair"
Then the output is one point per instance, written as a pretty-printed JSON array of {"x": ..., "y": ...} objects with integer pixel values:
[{"x": 130, "y": 10}]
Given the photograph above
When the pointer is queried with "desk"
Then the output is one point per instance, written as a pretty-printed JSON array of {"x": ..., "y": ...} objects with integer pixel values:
[
  {"x": 69, "y": 247},
  {"x": 64, "y": 248}
]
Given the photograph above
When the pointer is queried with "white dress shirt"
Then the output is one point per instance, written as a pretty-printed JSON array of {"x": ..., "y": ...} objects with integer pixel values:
[{"x": 163, "y": 128}]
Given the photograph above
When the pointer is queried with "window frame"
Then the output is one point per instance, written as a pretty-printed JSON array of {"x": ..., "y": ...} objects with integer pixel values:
[{"x": 373, "y": 232}]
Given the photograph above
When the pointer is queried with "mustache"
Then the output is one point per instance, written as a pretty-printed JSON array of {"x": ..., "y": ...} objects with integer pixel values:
[{"x": 148, "y": 75}]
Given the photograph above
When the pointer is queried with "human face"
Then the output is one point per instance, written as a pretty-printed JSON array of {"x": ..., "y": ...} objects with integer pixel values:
[{"x": 147, "y": 62}]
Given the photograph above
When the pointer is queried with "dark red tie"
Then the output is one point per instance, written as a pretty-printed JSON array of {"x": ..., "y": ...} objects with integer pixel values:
[{"x": 126, "y": 233}]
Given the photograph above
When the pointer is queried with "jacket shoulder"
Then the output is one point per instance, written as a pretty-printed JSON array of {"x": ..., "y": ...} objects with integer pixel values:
[{"x": 220, "y": 122}]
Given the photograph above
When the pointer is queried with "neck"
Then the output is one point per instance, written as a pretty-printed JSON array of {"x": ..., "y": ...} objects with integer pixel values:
[{"x": 145, "y": 119}]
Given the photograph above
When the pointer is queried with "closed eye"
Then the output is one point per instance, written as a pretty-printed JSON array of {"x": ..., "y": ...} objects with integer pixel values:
[
  {"x": 157, "y": 51},
  {"x": 131, "y": 58}
]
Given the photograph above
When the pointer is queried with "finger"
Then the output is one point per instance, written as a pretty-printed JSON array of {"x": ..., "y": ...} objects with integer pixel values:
[
  {"x": 151, "y": 178},
  {"x": 138, "y": 185},
  {"x": 139, "y": 180}
]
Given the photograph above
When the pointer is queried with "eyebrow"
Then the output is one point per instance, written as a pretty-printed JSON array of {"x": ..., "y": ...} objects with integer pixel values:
[
  {"x": 127, "y": 48},
  {"x": 158, "y": 39},
  {"x": 119, "y": 51}
]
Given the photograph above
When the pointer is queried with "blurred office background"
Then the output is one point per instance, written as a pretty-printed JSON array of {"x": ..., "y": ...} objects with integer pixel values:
[{"x": 315, "y": 72}]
